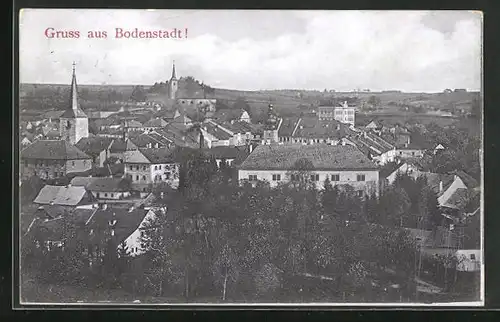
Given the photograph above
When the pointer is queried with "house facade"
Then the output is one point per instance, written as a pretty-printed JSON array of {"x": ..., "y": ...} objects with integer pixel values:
[
  {"x": 342, "y": 165},
  {"x": 50, "y": 159},
  {"x": 147, "y": 167}
]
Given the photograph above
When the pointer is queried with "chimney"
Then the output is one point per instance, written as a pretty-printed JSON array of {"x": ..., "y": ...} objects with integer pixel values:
[
  {"x": 440, "y": 186},
  {"x": 161, "y": 194},
  {"x": 112, "y": 232}
]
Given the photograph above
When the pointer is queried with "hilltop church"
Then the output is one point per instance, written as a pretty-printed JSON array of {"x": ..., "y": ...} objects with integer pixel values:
[{"x": 74, "y": 123}]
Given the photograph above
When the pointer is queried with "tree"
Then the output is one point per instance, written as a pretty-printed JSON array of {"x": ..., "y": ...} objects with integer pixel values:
[
  {"x": 394, "y": 204},
  {"x": 225, "y": 267},
  {"x": 268, "y": 279},
  {"x": 241, "y": 104},
  {"x": 374, "y": 100},
  {"x": 138, "y": 94}
]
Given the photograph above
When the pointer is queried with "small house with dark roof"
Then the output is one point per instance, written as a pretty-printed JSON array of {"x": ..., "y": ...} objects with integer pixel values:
[
  {"x": 49, "y": 159},
  {"x": 109, "y": 188},
  {"x": 146, "y": 167},
  {"x": 340, "y": 164}
]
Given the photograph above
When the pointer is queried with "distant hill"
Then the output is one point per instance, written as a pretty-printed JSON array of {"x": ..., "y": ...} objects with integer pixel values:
[{"x": 287, "y": 102}]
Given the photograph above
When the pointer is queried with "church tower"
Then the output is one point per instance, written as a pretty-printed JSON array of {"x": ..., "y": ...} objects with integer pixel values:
[
  {"x": 172, "y": 84},
  {"x": 73, "y": 124},
  {"x": 271, "y": 126}
]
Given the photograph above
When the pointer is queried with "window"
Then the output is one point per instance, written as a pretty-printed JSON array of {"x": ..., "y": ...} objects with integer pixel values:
[
  {"x": 156, "y": 167},
  {"x": 314, "y": 177},
  {"x": 131, "y": 168},
  {"x": 73, "y": 163},
  {"x": 105, "y": 194},
  {"x": 137, "y": 178},
  {"x": 143, "y": 177},
  {"x": 360, "y": 193},
  {"x": 167, "y": 175},
  {"x": 137, "y": 168},
  {"x": 473, "y": 256},
  {"x": 159, "y": 167},
  {"x": 276, "y": 177},
  {"x": 294, "y": 177},
  {"x": 252, "y": 177},
  {"x": 335, "y": 177},
  {"x": 360, "y": 177},
  {"x": 144, "y": 168},
  {"x": 98, "y": 195},
  {"x": 413, "y": 153},
  {"x": 112, "y": 195}
]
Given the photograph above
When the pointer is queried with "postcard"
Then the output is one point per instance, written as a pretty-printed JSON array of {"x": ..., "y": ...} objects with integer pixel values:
[{"x": 250, "y": 157}]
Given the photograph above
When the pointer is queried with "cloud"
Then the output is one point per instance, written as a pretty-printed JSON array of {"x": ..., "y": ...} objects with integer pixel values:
[{"x": 339, "y": 50}]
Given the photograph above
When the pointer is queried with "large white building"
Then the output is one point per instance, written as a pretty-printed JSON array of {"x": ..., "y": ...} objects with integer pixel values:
[
  {"x": 343, "y": 113},
  {"x": 341, "y": 164}
]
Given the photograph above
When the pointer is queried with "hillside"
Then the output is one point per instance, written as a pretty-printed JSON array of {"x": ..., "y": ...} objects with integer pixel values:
[{"x": 38, "y": 98}]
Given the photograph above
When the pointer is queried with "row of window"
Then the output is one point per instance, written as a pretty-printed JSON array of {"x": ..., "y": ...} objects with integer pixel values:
[
  {"x": 99, "y": 194},
  {"x": 313, "y": 177},
  {"x": 137, "y": 168}
]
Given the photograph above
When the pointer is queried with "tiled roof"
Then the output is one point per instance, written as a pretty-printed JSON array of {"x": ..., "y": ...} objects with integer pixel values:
[
  {"x": 323, "y": 157},
  {"x": 133, "y": 123},
  {"x": 82, "y": 181},
  {"x": 60, "y": 195},
  {"x": 108, "y": 185},
  {"x": 53, "y": 114},
  {"x": 143, "y": 140},
  {"x": 434, "y": 180},
  {"x": 227, "y": 114},
  {"x": 314, "y": 128},
  {"x": 94, "y": 145},
  {"x": 460, "y": 198},
  {"x": 73, "y": 113},
  {"x": 156, "y": 122},
  {"x": 225, "y": 152},
  {"x": 216, "y": 132},
  {"x": 118, "y": 146},
  {"x": 242, "y": 127},
  {"x": 53, "y": 150},
  {"x": 287, "y": 126},
  {"x": 126, "y": 221},
  {"x": 161, "y": 155},
  {"x": 468, "y": 180}
]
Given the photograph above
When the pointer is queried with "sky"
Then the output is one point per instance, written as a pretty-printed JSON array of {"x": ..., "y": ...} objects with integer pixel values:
[{"x": 412, "y": 51}]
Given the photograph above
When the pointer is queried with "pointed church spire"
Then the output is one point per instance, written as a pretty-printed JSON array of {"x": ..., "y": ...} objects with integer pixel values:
[
  {"x": 74, "y": 91},
  {"x": 173, "y": 71}
]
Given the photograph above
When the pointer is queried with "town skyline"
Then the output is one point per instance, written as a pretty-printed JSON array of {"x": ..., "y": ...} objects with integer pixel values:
[{"x": 289, "y": 56}]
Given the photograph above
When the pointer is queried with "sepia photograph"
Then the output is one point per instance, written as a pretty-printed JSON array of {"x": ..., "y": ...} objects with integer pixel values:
[{"x": 250, "y": 157}]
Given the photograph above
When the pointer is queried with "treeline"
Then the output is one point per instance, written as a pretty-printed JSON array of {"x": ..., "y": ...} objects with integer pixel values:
[
  {"x": 230, "y": 242},
  {"x": 462, "y": 150}
]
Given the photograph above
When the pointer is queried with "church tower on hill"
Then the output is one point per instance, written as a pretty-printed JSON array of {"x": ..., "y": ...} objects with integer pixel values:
[
  {"x": 173, "y": 84},
  {"x": 73, "y": 124}
]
